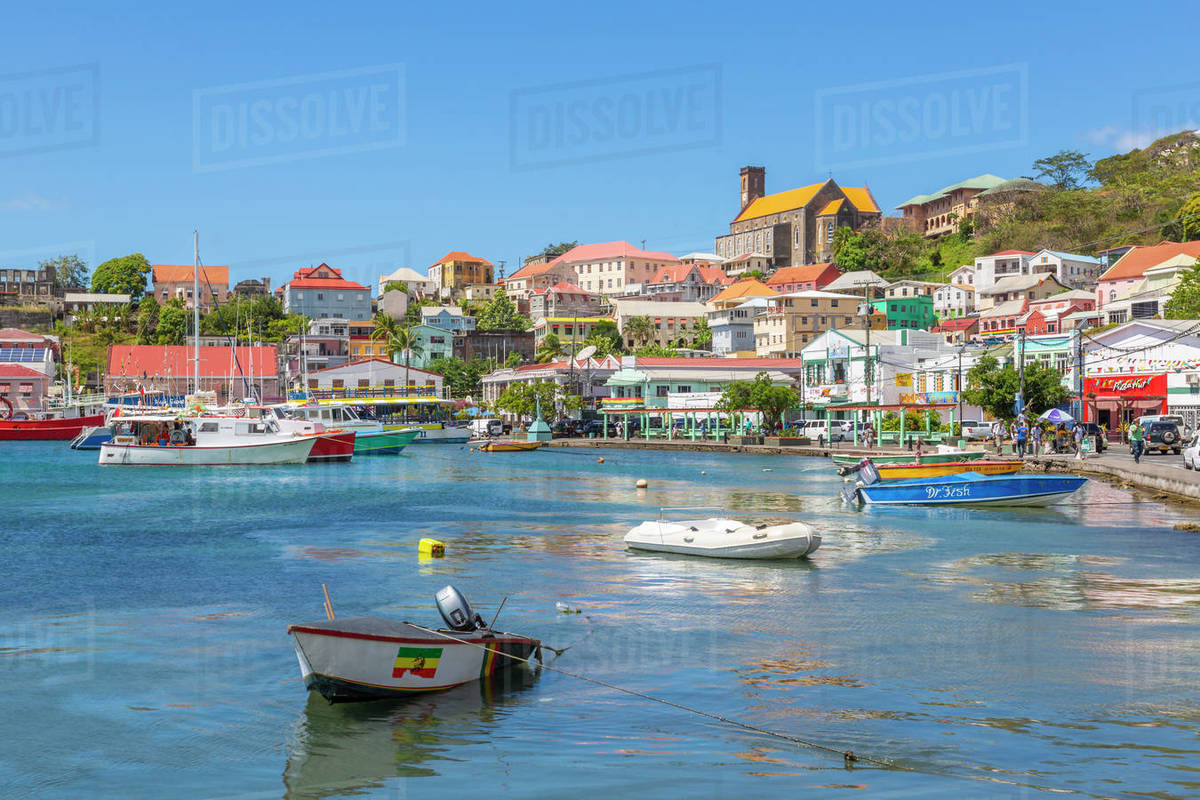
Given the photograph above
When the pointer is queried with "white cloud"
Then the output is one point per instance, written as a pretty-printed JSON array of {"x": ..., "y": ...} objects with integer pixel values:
[
  {"x": 32, "y": 201},
  {"x": 1123, "y": 141}
]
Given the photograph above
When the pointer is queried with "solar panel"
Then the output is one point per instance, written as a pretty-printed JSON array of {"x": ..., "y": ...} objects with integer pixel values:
[{"x": 11, "y": 355}]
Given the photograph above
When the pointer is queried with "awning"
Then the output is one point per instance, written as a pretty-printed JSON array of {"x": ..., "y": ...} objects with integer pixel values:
[{"x": 627, "y": 377}]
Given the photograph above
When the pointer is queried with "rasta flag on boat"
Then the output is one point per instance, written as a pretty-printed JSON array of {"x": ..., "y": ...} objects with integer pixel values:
[{"x": 420, "y": 661}]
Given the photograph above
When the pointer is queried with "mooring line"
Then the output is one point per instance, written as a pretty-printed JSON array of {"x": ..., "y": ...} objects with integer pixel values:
[{"x": 849, "y": 757}]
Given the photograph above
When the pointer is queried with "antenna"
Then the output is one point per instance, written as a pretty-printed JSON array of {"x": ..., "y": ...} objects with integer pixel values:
[{"x": 196, "y": 310}]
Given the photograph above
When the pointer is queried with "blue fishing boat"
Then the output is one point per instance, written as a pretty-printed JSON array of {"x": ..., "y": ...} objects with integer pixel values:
[
  {"x": 966, "y": 488},
  {"x": 92, "y": 438}
]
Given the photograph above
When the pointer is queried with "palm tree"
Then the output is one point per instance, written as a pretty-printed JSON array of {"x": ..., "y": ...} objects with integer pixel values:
[
  {"x": 549, "y": 350},
  {"x": 405, "y": 340},
  {"x": 640, "y": 329},
  {"x": 385, "y": 326}
]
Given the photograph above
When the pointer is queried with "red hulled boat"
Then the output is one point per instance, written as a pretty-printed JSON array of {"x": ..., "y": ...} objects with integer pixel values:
[{"x": 47, "y": 429}]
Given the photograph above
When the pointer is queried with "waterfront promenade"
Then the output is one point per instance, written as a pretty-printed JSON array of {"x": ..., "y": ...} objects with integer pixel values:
[{"x": 1159, "y": 475}]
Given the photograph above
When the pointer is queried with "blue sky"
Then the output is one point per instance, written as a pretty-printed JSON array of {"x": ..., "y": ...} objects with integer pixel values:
[{"x": 496, "y": 128}]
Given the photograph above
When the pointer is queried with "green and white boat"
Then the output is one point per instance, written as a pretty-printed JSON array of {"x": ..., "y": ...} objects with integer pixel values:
[
  {"x": 371, "y": 438},
  {"x": 853, "y": 457},
  {"x": 382, "y": 443}
]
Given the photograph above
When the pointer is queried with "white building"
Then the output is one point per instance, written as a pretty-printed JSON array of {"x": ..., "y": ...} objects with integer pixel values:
[
  {"x": 989, "y": 269},
  {"x": 377, "y": 373},
  {"x": 417, "y": 283},
  {"x": 1142, "y": 366},
  {"x": 953, "y": 300},
  {"x": 1072, "y": 269}
]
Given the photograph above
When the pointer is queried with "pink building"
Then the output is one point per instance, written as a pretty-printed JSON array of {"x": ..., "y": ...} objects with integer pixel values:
[{"x": 1129, "y": 270}]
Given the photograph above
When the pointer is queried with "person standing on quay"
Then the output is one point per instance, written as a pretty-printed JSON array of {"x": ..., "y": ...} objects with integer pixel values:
[
  {"x": 998, "y": 434},
  {"x": 1022, "y": 433},
  {"x": 1078, "y": 440},
  {"x": 1137, "y": 439},
  {"x": 1036, "y": 435}
]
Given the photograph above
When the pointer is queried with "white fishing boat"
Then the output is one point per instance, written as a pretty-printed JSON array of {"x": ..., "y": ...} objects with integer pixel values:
[
  {"x": 721, "y": 537},
  {"x": 369, "y": 658},
  {"x": 172, "y": 440}
]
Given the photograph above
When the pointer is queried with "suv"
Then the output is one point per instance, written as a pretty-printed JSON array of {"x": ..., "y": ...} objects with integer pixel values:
[
  {"x": 974, "y": 429},
  {"x": 818, "y": 429},
  {"x": 1163, "y": 436},
  {"x": 1098, "y": 436}
]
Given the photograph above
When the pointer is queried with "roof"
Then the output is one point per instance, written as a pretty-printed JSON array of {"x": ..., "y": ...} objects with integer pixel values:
[
  {"x": 301, "y": 279},
  {"x": 801, "y": 273},
  {"x": 172, "y": 273},
  {"x": 818, "y": 294},
  {"x": 747, "y": 257},
  {"x": 619, "y": 249},
  {"x": 714, "y": 275},
  {"x": 95, "y": 297},
  {"x": 852, "y": 280},
  {"x": 966, "y": 287},
  {"x": 831, "y": 207},
  {"x": 956, "y": 324},
  {"x": 569, "y": 288},
  {"x": 382, "y": 361},
  {"x": 719, "y": 363},
  {"x": 176, "y": 360},
  {"x": 531, "y": 270},
  {"x": 657, "y": 308},
  {"x": 1014, "y": 185},
  {"x": 18, "y": 371},
  {"x": 745, "y": 288},
  {"x": 1071, "y": 256},
  {"x": 459, "y": 255},
  {"x": 18, "y": 335},
  {"x": 1135, "y": 263},
  {"x": 782, "y": 201},
  {"x": 1018, "y": 283},
  {"x": 862, "y": 198},
  {"x": 433, "y": 311},
  {"x": 672, "y": 273},
  {"x": 1070, "y": 294},
  {"x": 404, "y": 274},
  {"x": 713, "y": 257},
  {"x": 1010, "y": 308},
  {"x": 985, "y": 181}
]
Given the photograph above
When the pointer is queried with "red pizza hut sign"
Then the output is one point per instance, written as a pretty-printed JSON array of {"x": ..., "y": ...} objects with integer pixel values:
[{"x": 1130, "y": 385}]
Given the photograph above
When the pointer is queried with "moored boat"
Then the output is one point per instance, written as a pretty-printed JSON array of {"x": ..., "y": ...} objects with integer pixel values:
[
  {"x": 55, "y": 428},
  {"x": 854, "y": 456},
  {"x": 382, "y": 443},
  {"x": 370, "y": 658},
  {"x": 510, "y": 447},
  {"x": 719, "y": 537},
  {"x": 371, "y": 436},
  {"x": 163, "y": 440},
  {"x": 91, "y": 438},
  {"x": 966, "y": 488},
  {"x": 891, "y": 472}
]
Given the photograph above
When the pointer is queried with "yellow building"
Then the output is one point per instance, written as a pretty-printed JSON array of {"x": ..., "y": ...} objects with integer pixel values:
[
  {"x": 457, "y": 269},
  {"x": 739, "y": 292},
  {"x": 793, "y": 320}
]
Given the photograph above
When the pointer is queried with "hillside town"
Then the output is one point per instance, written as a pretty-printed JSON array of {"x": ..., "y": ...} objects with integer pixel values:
[{"x": 615, "y": 325}]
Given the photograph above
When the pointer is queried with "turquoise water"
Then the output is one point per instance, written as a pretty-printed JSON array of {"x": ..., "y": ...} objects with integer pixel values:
[{"x": 994, "y": 653}]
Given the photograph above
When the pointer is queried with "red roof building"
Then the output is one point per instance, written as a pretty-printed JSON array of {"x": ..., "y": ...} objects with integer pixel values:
[
  {"x": 231, "y": 372},
  {"x": 23, "y": 389},
  {"x": 322, "y": 292},
  {"x": 1130, "y": 268},
  {"x": 958, "y": 330},
  {"x": 178, "y": 281},
  {"x": 803, "y": 278}
]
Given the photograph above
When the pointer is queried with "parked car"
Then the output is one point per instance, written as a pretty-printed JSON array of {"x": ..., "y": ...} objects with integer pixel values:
[
  {"x": 1163, "y": 436},
  {"x": 819, "y": 429},
  {"x": 1098, "y": 436},
  {"x": 1191, "y": 453},
  {"x": 596, "y": 427},
  {"x": 974, "y": 429}
]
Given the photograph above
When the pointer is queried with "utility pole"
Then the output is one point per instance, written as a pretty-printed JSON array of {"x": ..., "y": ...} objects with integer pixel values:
[
  {"x": 959, "y": 385},
  {"x": 196, "y": 310},
  {"x": 867, "y": 310},
  {"x": 1077, "y": 383},
  {"x": 1021, "y": 371}
]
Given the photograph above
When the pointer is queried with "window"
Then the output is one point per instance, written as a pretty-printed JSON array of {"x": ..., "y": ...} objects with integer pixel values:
[
  {"x": 363, "y": 383},
  {"x": 338, "y": 383},
  {"x": 683, "y": 388},
  {"x": 341, "y": 297},
  {"x": 320, "y": 295},
  {"x": 661, "y": 391}
]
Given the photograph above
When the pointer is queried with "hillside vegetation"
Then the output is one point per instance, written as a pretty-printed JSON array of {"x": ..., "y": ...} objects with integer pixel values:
[{"x": 1139, "y": 197}]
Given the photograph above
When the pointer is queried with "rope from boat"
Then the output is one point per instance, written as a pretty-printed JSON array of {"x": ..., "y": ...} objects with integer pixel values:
[{"x": 849, "y": 757}]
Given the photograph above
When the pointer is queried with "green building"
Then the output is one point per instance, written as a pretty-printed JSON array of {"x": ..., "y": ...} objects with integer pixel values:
[
  {"x": 907, "y": 312},
  {"x": 435, "y": 343}
]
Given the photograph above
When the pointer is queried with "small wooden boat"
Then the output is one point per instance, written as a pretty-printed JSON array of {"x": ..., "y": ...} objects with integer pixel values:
[
  {"x": 854, "y": 456},
  {"x": 718, "y": 537},
  {"x": 370, "y": 658},
  {"x": 891, "y": 472},
  {"x": 510, "y": 446},
  {"x": 966, "y": 488}
]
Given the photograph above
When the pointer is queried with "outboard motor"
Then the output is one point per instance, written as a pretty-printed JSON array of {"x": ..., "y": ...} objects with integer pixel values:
[
  {"x": 456, "y": 611},
  {"x": 867, "y": 473}
]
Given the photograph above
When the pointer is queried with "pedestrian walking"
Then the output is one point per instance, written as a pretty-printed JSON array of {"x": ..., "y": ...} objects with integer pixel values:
[
  {"x": 998, "y": 434},
  {"x": 1022, "y": 434},
  {"x": 1137, "y": 440},
  {"x": 1078, "y": 441},
  {"x": 1036, "y": 436}
]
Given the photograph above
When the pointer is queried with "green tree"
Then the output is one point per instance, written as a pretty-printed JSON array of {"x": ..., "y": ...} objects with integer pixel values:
[
  {"x": 1185, "y": 299},
  {"x": 560, "y": 248},
  {"x": 70, "y": 271},
  {"x": 172, "y": 323},
  {"x": 640, "y": 330},
  {"x": 514, "y": 360},
  {"x": 655, "y": 350},
  {"x": 405, "y": 340},
  {"x": 1186, "y": 225},
  {"x": 757, "y": 274},
  {"x": 385, "y": 327},
  {"x": 701, "y": 334},
  {"x": 147, "y": 320},
  {"x": 1066, "y": 169},
  {"x": 759, "y": 395},
  {"x": 500, "y": 314},
  {"x": 521, "y": 399},
  {"x": 396, "y": 286},
  {"x": 995, "y": 390},
  {"x": 462, "y": 378},
  {"x": 124, "y": 275},
  {"x": 549, "y": 350},
  {"x": 605, "y": 329}
]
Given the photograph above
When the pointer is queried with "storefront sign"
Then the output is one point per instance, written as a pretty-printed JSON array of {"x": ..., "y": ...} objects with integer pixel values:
[
  {"x": 904, "y": 379},
  {"x": 927, "y": 398},
  {"x": 1127, "y": 385}
]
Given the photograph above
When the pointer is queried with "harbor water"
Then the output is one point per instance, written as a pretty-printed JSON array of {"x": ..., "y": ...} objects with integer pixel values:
[{"x": 998, "y": 653}]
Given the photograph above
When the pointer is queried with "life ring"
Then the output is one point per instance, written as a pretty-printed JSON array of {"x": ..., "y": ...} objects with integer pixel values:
[{"x": 6, "y": 408}]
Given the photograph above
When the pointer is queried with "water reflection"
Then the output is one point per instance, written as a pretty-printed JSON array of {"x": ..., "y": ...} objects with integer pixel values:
[
  {"x": 1064, "y": 582},
  {"x": 346, "y": 749}
]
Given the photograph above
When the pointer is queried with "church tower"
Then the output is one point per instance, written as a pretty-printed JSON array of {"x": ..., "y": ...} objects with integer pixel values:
[{"x": 753, "y": 185}]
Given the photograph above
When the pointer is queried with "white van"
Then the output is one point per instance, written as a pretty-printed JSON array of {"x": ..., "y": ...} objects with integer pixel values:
[{"x": 487, "y": 427}]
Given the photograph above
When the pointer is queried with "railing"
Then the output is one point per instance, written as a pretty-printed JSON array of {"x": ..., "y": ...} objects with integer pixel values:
[
  {"x": 364, "y": 392},
  {"x": 77, "y": 400}
]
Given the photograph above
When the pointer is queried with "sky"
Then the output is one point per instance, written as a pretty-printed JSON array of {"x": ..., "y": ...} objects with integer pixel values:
[{"x": 377, "y": 135}]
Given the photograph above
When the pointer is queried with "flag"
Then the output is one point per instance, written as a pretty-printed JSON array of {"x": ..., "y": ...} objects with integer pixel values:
[{"x": 420, "y": 661}]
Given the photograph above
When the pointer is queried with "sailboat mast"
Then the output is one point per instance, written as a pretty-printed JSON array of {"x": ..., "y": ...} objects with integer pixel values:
[{"x": 196, "y": 311}]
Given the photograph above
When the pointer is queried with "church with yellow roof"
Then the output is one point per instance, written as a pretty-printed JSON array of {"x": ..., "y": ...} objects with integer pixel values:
[{"x": 796, "y": 226}]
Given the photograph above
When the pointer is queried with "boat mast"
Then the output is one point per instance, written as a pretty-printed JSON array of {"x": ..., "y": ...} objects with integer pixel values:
[{"x": 196, "y": 311}]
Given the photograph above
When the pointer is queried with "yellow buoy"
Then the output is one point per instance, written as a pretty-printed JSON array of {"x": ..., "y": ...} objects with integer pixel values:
[
  {"x": 702, "y": 472},
  {"x": 641, "y": 483},
  {"x": 600, "y": 460},
  {"x": 431, "y": 547}
]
